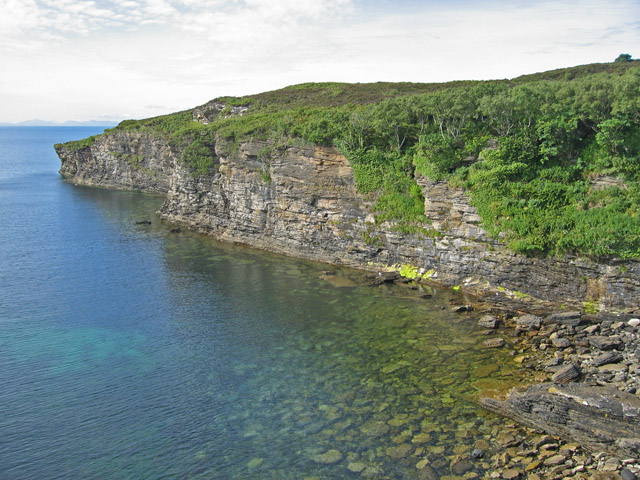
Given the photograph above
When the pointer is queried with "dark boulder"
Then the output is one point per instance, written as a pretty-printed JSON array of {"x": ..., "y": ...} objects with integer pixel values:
[{"x": 565, "y": 318}]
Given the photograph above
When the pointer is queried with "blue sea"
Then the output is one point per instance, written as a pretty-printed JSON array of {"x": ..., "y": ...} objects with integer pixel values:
[{"x": 128, "y": 351}]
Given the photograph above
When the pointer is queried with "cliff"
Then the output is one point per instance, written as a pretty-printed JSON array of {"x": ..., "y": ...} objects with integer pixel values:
[
  {"x": 126, "y": 160},
  {"x": 302, "y": 200}
]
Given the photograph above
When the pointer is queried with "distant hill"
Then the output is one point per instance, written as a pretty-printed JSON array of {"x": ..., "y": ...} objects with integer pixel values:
[{"x": 70, "y": 123}]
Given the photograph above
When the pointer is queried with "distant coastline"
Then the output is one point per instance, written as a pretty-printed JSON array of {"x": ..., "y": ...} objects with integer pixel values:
[{"x": 69, "y": 123}]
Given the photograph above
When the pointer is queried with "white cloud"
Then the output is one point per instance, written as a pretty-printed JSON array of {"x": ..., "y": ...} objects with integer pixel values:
[{"x": 119, "y": 56}]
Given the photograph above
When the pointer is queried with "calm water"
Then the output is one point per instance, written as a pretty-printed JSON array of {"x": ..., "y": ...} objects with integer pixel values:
[{"x": 129, "y": 352}]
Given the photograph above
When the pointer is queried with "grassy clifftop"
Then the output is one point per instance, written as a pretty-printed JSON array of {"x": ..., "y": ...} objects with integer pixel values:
[{"x": 551, "y": 160}]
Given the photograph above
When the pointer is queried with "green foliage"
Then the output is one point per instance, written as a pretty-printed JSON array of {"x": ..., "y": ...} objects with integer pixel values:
[
  {"x": 527, "y": 150},
  {"x": 167, "y": 124},
  {"x": 623, "y": 57},
  {"x": 410, "y": 272},
  {"x": 197, "y": 144},
  {"x": 79, "y": 144}
]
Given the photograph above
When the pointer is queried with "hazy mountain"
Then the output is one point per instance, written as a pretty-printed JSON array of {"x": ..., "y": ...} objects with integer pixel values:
[{"x": 69, "y": 123}]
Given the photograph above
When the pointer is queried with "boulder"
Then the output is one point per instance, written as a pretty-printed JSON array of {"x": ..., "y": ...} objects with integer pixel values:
[
  {"x": 565, "y": 318},
  {"x": 606, "y": 358},
  {"x": 561, "y": 342},
  {"x": 566, "y": 374},
  {"x": 605, "y": 343},
  {"x": 488, "y": 321},
  {"x": 494, "y": 343},
  {"x": 528, "y": 322},
  {"x": 462, "y": 308}
]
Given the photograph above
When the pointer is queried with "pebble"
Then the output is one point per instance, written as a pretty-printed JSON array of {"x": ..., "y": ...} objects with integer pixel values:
[
  {"x": 477, "y": 453},
  {"x": 511, "y": 474},
  {"x": 566, "y": 374},
  {"x": 401, "y": 451},
  {"x": 555, "y": 460},
  {"x": 494, "y": 343},
  {"x": 356, "y": 467},
  {"x": 488, "y": 321},
  {"x": 328, "y": 458}
]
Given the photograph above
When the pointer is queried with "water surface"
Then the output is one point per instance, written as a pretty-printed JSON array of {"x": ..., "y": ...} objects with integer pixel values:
[{"x": 128, "y": 351}]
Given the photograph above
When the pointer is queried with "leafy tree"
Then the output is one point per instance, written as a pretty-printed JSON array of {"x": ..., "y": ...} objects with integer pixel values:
[{"x": 623, "y": 57}]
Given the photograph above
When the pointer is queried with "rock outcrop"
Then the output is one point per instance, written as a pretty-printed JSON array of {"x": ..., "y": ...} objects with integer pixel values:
[
  {"x": 124, "y": 160},
  {"x": 302, "y": 201},
  {"x": 600, "y": 418}
]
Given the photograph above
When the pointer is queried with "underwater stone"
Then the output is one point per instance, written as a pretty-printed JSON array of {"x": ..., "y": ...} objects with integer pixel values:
[
  {"x": 356, "y": 467},
  {"x": 494, "y": 343},
  {"x": 461, "y": 465},
  {"x": 488, "y": 321},
  {"x": 328, "y": 458},
  {"x": 401, "y": 451}
]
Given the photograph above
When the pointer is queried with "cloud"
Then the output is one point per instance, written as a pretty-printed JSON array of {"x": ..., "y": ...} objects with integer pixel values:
[{"x": 125, "y": 55}]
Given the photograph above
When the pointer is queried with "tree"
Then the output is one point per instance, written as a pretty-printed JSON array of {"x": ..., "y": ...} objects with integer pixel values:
[{"x": 623, "y": 57}]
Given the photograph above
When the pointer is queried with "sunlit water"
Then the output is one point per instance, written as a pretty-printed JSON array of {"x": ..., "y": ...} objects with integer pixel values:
[{"x": 128, "y": 351}]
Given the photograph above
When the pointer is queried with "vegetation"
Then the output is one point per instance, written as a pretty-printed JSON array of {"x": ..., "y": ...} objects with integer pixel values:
[
  {"x": 551, "y": 160},
  {"x": 78, "y": 144}
]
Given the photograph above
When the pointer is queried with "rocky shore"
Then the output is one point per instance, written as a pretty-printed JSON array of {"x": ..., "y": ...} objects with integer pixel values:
[
  {"x": 582, "y": 420},
  {"x": 308, "y": 206},
  {"x": 578, "y": 415}
]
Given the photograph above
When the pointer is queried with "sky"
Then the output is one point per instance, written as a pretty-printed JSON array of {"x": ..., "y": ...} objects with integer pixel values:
[{"x": 115, "y": 59}]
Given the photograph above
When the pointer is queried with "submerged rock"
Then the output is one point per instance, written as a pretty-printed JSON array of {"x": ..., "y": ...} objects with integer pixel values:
[
  {"x": 328, "y": 458},
  {"x": 401, "y": 451},
  {"x": 488, "y": 321},
  {"x": 494, "y": 343}
]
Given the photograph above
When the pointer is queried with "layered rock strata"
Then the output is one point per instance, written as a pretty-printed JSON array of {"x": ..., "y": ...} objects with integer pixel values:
[
  {"x": 302, "y": 201},
  {"x": 601, "y": 418}
]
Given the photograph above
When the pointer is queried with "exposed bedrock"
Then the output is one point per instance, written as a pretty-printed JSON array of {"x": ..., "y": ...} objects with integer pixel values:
[
  {"x": 600, "y": 418},
  {"x": 302, "y": 201}
]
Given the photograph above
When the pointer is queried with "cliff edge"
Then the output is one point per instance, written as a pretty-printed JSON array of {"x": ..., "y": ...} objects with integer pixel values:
[{"x": 303, "y": 201}]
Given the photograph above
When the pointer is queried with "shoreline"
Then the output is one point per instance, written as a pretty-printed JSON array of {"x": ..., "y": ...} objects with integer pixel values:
[
  {"x": 565, "y": 350},
  {"x": 542, "y": 346}
]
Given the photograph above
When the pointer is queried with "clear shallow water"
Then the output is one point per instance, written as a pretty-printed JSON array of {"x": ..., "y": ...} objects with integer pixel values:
[{"x": 127, "y": 351}]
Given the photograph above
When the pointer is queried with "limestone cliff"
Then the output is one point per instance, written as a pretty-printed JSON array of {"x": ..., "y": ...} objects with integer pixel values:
[
  {"x": 302, "y": 201},
  {"x": 127, "y": 160}
]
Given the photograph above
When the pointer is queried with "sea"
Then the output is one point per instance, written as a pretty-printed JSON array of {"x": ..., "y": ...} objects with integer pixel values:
[{"x": 131, "y": 350}]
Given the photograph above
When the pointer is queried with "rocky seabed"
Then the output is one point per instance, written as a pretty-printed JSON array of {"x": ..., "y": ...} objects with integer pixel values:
[{"x": 309, "y": 207}]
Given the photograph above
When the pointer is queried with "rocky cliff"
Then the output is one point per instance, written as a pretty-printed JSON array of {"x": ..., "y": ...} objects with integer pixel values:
[
  {"x": 126, "y": 160},
  {"x": 302, "y": 201}
]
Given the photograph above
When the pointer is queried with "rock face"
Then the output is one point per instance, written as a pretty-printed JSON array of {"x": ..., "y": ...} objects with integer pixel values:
[
  {"x": 600, "y": 418},
  {"x": 125, "y": 160},
  {"x": 302, "y": 201}
]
